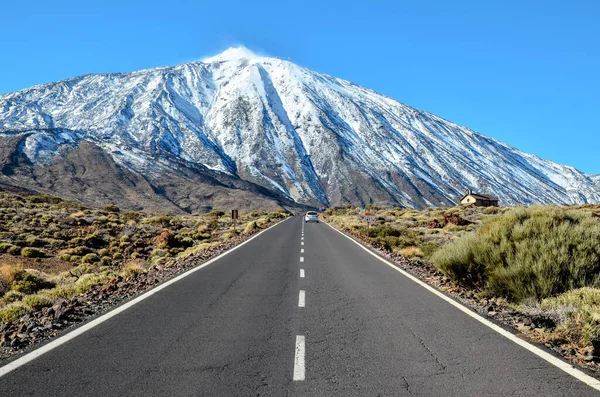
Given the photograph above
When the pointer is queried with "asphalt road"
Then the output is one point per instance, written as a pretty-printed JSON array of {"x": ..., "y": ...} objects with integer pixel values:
[{"x": 231, "y": 329}]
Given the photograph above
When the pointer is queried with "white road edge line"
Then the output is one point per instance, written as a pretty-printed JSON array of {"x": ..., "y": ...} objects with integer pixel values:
[
  {"x": 86, "y": 327},
  {"x": 301, "y": 259},
  {"x": 299, "y": 365},
  {"x": 568, "y": 368},
  {"x": 302, "y": 298},
  {"x": 301, "y": 273}
]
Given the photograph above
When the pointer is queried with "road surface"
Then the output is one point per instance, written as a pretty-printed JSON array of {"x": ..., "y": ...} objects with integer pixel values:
[{"x": 292, "y": 314}]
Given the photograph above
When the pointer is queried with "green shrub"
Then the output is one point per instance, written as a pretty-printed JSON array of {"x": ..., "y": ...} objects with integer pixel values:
[
  {"x": 37, "y": 301},
  {"x": 61, "y": 292},
  {"x": 101, "y": 220},
  {"x": 158, "y": 260},
  {"x": 80, "y": 270},
  {"x": 34, "y": 241},
  {"x": 44, "y": 198},
  {"x": 277, "y": 215},
  {"x": 184, "y": 242},
  {"x": 80, "y": 251},
  {"x": 250, "y": 227},
  {"x": 95, "y": 241},
  {"x": 131, "y": 216},
  {"x": 30, "y": 252},
  {"x": 68, "y": 205},
  {"x": 13, "y": 250},
  {"x": 527, "y": 252},
  {"x": 4, "y": 246},
  {"x": 202, "y": 228},
  {"x": 91, "y": 280},
  {"x": 159, "y": 252},
  {"x": 112, "y": 208},
  {"x": 388, "y": 237},
  {"x": 163, "y": 220},
  {"x": 55, "y": 242},
  {"x": 580, "y": 309},
  {"x": 429, "y": 249},
  {"x": 201, "y": 236},
  {"x": 28, "y": 283},
  {"x": 380, "y": 231},
  {"x": 13, "y": 311},
  {"x": 90, "y": 258},
  {"x": 216, "y": 213},
  {"x": 12, "y": 296},
  {"x": 491, "y": 210},
  {"x": 195, "y": 250}
]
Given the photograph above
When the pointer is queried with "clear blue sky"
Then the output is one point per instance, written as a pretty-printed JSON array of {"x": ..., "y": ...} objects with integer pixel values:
[{"x": 524, "y": 72}]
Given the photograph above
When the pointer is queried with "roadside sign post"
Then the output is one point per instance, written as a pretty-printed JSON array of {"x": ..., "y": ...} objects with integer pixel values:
[
  {"x": 368, "y": 216},
  {"x": 234, "y": 216}
]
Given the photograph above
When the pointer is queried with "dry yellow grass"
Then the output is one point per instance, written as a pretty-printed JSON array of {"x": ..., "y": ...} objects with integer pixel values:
[
  {"x": 8, "y": 274},
  {"x": 77, "y": 214},
  {"x": 132, "y": 268},
  {"x": 410, "y": 252}
]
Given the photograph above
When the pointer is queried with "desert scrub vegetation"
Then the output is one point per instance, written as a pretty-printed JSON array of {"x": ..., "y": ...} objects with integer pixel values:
[
  {"x": 53, "y": 249},
  {"x": 543, "y": 259},
  {"x": 576, "y": 313},
  {"x": 536, "y": 252},
  {"x": 415, "y": 234}
]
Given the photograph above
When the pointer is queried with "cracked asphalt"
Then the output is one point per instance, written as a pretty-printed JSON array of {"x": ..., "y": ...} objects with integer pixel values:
[{"x": 230, "y": 328}]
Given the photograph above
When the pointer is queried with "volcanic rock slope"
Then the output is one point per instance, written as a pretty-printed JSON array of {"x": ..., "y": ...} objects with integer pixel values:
[{"x": 244, "y": 130}]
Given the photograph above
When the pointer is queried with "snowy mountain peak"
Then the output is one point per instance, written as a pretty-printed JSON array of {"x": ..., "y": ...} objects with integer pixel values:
[
  {"x": 296, "y": 133},
  {"x": 233, "y": 54}
]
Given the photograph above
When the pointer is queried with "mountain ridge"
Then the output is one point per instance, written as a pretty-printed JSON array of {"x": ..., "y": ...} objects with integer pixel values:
[{"x": 304, "y": 136}]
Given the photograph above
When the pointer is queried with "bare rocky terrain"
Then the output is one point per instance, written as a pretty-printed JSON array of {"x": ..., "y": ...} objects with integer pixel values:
[{"x": 91, "y": 176}]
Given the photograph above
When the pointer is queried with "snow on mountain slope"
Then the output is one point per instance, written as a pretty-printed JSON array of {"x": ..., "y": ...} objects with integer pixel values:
[{"x": 308, "y": 136}]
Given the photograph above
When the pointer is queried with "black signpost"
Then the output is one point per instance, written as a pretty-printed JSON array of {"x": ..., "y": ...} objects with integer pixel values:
[{"x": 234, "y": 216}]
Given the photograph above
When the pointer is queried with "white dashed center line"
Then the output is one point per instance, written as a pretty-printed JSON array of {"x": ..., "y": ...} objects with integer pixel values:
[
  {"x": 299, "y": 358},
  {"x": 299, "y": 365},
  {"x": 301, "y": 298}
]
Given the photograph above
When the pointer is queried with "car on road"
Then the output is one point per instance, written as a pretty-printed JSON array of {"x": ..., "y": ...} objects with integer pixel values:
[{"x": 311, "y": 216}]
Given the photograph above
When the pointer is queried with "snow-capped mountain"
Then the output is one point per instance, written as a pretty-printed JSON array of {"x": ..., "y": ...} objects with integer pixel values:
[{"x": 271, "y": 124}]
